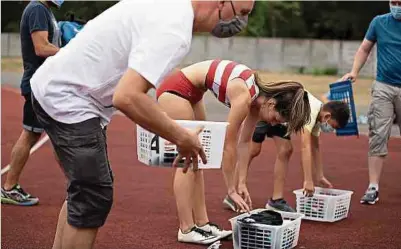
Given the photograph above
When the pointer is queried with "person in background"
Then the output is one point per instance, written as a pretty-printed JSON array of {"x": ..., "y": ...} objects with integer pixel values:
[
  {"x": 323, "y": 117},
  {"x": 385, "y": 31},
  {"x": 40, "y": 38}
]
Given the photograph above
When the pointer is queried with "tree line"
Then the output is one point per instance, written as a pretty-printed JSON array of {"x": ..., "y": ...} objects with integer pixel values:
[{"x": 345, "y": 20}]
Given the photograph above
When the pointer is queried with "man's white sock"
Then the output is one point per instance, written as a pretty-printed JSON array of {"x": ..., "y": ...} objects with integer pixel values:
[{"x": 374, "y": 185}]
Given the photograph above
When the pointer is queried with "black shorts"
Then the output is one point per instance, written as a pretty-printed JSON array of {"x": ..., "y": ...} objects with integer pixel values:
[
  {"x": 82, "y": 153},
  {"x": 29, "y": 120},
  {"x": 264, "y": 129}
]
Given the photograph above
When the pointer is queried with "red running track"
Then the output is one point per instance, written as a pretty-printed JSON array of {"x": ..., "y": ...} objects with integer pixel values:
[{"x": 144, "y": 215}]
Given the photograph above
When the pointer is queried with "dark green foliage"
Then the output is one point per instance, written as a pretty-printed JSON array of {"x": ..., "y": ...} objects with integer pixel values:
[{"x": 346, "y": 20}]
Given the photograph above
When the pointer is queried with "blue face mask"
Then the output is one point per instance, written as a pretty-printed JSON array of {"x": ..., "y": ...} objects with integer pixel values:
[
  {"x": 58, "y": 3},
  {"x": 396, "y": 11},
  {"x": 326, "y": 127}
]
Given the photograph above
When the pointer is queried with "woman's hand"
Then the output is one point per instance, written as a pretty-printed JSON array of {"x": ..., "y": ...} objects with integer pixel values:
[{"x": 244, "y": 193}]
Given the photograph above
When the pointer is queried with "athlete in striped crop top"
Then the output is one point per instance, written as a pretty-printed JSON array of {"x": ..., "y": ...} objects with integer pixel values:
[
  {"x": 221, "y": 72},
  {"x": 250, "y": 100}
]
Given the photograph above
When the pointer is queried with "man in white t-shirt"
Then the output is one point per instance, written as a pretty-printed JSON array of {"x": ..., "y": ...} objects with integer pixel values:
[
  {"x": 110, "y": 65},
  {"x": 326, "y": 117}
]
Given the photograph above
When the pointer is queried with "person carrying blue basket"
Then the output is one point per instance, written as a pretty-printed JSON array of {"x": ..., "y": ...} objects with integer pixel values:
[
  {"x": 324, "y": 117},
  {"x": 385, "y": 31}
]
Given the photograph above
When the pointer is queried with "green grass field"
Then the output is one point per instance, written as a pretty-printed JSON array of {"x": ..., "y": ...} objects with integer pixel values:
[
  {"x": 11, "y": 64},
  {"x": 317, "y": 85}
]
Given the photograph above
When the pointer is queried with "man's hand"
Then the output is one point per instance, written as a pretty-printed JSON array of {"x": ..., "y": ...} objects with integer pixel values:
[
  {"x": 309, "y": 188},
  {"x": 244, "y": 193},
  {"x": 239, "y": 202},
  {"x": 323, "y": 182},
  {"x": 349, "y": 76},
  {"x": 360, "y": 58},
  {"x": 190, "y": 148},
  {"x": 130, "y": 98}
]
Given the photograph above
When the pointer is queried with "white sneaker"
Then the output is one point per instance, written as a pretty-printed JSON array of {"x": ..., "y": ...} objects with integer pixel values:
[
  {"x": 197, "y": 236},
  {"x": 215, "y": 230}
]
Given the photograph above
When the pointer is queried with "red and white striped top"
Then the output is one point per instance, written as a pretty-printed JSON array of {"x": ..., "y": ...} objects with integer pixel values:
[{"x": 222, "y": 71}]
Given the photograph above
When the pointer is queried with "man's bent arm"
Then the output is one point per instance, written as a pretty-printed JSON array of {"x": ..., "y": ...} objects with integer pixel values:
[
  {"x": 131, "y": 98},
  {"x": 43, "y": 48}
]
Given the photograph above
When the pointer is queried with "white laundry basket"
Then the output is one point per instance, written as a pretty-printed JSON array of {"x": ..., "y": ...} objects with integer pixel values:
[
  {"x": 156, "y": 151},
  {"x": 261, "y": 236},
  {"x": 328, "y": 205}
]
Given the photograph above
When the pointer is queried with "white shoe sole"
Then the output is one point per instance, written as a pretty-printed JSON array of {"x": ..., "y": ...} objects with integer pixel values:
[
  {"x": 225, "y": 236},
  {"x": 203, "y": 242}
]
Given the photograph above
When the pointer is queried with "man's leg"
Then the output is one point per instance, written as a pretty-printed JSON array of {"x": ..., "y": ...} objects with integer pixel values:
[
  {"x": 82, "y": 152},
  {"x": 19, "y": 157},
  {"x": 380, "y": 118},
  {"x": 78, "y": 237},
  {"x": 61, "y": 223},
  {"x": 90, "y": 192},
  {"x": 12, "y": 193}
]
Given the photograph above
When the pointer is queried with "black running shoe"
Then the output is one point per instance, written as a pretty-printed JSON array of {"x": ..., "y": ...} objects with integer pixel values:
[{"x": 371, "y": 196}]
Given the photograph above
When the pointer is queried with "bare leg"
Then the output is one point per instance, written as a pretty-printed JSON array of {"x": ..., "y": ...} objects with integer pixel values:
[
  {"x": 184, "y": 184},
  {"x": 69, "y": 237},
  {"x": 78, "y": 238},
  {"x": 255, "y": 151},
  {"x": 19, "y": 157},
  {"x": 284, "y": 152},
  {"x": 199, "y": 207},
  {"x": 183, "y": 191},
  {"x": 375, "y": 168},
  {"x": 62, "y": 221}
]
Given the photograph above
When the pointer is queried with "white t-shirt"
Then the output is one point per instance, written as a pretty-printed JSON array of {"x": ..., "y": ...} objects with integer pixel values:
[
  {"x": 314, "y": 125},
  {"x": 151, "y": 37}
]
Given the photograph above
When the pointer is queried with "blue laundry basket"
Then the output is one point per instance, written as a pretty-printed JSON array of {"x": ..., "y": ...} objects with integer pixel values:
[{"x": 342, "y": 91}]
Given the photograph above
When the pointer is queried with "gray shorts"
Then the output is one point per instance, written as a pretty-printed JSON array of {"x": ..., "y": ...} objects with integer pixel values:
[
  {"x": 384, "y": 108},
  {"x": 82, "y": 153}
]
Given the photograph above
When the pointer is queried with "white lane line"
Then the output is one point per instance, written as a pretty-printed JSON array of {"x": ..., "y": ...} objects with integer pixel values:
[{"x": 34, "y": 148}]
